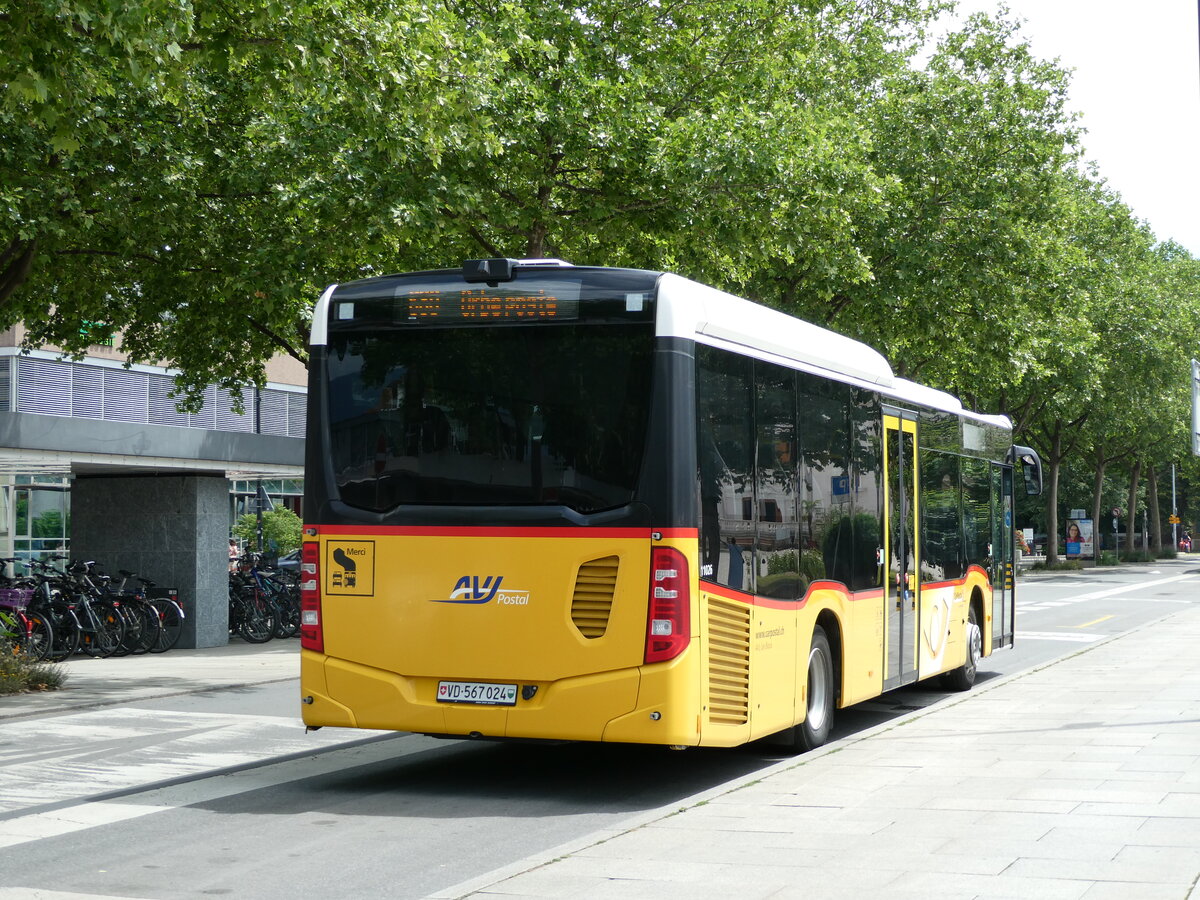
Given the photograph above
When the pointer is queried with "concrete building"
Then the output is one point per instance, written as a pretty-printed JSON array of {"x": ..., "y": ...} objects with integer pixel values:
[{"x": 97, "y": 462}]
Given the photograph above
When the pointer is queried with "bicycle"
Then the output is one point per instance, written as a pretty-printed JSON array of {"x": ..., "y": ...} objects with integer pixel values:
[
  {"x": 252, "y": 612},
  {"x": 29, "y": 633},
  {"x": 167, "y": 610},
  {"x": 49, "y": 600},
  {"x": 277, "y": 590},
  {"x": 102, "y": 624}
]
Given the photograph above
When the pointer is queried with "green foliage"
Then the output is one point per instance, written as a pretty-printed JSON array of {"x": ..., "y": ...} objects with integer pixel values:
[
  {"x": 1137, "y": 556},
  {"x": 191, "y": 177},
  {"x": 48, "y": 525},
  {"x": 281, "y": 530},
  {"x": 20, "y": 673},
  {"x": 790, "y": 574}
]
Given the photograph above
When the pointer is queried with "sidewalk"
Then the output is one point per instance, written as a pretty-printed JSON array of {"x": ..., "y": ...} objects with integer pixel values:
[
  {"x": 1080, "y": 779},
  {"x": 94, "y": 683}
]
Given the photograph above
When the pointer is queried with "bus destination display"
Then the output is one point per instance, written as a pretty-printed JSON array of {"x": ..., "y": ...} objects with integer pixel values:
[{"x": 485, "y": 305}]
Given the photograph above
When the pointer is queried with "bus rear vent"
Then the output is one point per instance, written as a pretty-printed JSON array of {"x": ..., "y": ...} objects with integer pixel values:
[
  {"x": 728, "y": 662},
  {"x": 592, "y": 603}
]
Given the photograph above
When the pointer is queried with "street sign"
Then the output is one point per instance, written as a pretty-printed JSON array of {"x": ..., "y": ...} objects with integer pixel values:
[
  {"x": 1174, "y": 520},
  {"x": 1117, "y": 511}
]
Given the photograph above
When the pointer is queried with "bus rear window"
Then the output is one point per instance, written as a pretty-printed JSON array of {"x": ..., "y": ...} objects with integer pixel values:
[{"x": 540, "y": 413}]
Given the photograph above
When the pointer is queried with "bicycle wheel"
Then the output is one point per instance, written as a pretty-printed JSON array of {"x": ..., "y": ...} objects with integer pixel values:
[
  {"x": 105, "y": 630},
  {"x": 170, "y": 617},
  {"x": 63, "y": 624},
  {"x": 149, "y": 628},
  {"x": 256, "y": 624},
  {"x": 287, "y": 617},
  {"x": 133, "y": 627},
  {"x": 41, "y": 636},
  {"x": 67, "y": 631}
]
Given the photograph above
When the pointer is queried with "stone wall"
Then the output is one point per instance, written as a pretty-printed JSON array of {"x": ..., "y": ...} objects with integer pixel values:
[{"x": 172, "y": 529}]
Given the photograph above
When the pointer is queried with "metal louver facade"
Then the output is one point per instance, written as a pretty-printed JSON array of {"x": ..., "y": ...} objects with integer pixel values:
[
  {"x": 728, "y": 661},
  {"x": 84, "y": 391}
]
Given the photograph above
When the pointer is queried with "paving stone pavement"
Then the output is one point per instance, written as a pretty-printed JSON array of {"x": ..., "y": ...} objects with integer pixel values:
[{"x": 1079, "y": 779}]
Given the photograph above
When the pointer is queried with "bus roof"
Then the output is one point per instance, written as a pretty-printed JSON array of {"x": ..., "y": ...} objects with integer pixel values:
[
  {"x": 695, "y": 311},
  {"x": 689, "y": 309}
]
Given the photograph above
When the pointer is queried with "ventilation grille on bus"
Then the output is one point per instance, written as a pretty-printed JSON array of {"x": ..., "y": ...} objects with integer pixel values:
[
  {"x": 591, "y": 605},
  {"x": 728, "y": 662}
]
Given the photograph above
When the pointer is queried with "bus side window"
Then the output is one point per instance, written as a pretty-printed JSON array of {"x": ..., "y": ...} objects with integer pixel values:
[
  {"x": 826, "y": 500},
  {"x": 726, "y": 463},
  {"x": 776, "y": 530}
]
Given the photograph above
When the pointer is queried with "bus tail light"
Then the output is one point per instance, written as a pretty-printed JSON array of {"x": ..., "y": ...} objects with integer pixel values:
[
  {"x": 669, "y": 623},
  {"x": 311, "y": 635}
]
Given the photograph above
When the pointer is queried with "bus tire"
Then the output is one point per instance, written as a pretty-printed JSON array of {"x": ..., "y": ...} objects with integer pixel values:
[
  {"x": 963, "y": 677},
  {"x": 820, "y": 693}
]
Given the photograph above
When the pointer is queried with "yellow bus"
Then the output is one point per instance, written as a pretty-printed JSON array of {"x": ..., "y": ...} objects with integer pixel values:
[{"x": 602, "y": 504}]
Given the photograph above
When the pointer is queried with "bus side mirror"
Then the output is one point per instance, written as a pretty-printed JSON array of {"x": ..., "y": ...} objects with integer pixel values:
[{"x": 1031, "y": 468}]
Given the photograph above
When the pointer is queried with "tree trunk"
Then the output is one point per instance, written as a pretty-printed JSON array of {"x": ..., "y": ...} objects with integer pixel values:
[
  {"x": 1052, "y": 470},
  {"x": 1097, "y": 499},
  {"x": 16, "y": 262},
  {"x": 1156, "y": 535},
  {"x": 1135, "y": 476},
  {"x": 535, "y": 245}
]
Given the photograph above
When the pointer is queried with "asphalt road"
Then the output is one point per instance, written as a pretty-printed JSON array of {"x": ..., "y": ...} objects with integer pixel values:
[{"x": 220, "y": 794}]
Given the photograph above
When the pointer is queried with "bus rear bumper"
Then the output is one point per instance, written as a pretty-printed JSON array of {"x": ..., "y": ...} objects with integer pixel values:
[{"x": 593, "y": 707}]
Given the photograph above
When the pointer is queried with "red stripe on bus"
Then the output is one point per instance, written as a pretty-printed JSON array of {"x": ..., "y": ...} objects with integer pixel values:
[
  {"x": 772, "y": 603},
  {"x": 566, "y": 531}
]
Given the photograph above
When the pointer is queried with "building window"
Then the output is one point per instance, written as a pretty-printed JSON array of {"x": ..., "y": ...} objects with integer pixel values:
[{"x": 41, "y": 520}]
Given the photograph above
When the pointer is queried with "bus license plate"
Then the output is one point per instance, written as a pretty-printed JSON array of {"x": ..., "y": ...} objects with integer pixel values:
[{"x": 477, "y": 692}]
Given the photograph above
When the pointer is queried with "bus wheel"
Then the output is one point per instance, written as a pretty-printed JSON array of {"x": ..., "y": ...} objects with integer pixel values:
[
  {"x": 821, "y": 693},
  {"x": 963, "y": 677}
]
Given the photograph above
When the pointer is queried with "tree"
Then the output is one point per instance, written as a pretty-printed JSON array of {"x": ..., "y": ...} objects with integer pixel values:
[
  {"x": 969, "y": 152},
  {"x": 281, "y": 529},
  {"x": 192, "y": 177}
]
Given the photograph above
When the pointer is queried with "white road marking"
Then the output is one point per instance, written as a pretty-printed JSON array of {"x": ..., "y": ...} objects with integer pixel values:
[
  {"x": 85, "y": 815},
  {"x": 1039, "y": 605},
  {"x": 42, "y": 894},
  {"x": 1140, "y": 586},
  {"x": 1058, "y": 636},
  {"x": 64, "y": 758}
]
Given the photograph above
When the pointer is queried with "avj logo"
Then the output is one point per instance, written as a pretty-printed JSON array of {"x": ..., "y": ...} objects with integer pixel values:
[{"x": 470, "y": 589}]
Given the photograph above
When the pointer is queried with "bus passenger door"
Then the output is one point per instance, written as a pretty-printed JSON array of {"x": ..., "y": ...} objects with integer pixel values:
[
  {"x": 900, "y": 552},
  {"x": 1003, "y": 596}
]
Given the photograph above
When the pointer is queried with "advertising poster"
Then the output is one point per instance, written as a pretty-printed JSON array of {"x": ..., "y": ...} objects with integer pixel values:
[{"x": 1079, "y": 539}]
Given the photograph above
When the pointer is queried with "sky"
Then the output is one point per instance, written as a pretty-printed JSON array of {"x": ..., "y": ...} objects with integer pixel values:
[{"x": 1136, "y": 83}]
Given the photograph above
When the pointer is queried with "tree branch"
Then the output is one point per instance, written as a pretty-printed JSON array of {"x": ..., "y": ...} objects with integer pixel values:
[{"x": 278, "y": 340}]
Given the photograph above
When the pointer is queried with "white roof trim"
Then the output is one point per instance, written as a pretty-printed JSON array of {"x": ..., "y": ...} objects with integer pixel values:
[
  {"x": 932, "y": 398},
  {"x": 921, "y": 395},
  {"x": 688, "y": 309},
  {"x": 320, "y": 320}
]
